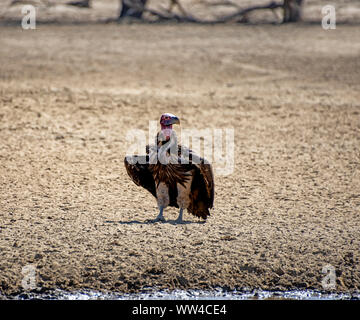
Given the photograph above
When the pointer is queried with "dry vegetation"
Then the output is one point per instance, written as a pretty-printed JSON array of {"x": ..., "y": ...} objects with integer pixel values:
[{"x": 68, "y": 95}]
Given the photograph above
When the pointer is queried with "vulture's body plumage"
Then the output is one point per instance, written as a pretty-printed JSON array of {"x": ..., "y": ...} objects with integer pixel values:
[{"x": 173, "y": 174}]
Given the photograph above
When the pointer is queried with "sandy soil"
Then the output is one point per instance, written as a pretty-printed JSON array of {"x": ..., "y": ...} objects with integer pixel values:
[{"x": 69, "y": 95}]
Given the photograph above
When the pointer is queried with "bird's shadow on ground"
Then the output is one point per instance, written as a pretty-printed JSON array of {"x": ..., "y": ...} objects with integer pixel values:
[{"x": 173, "y": 222}]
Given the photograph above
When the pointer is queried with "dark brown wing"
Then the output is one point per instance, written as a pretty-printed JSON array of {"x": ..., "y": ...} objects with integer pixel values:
[
  {"x": 202, "y": 187},
  {"x": 137, "y": 168},
  {"x": 208, "y": 176}
]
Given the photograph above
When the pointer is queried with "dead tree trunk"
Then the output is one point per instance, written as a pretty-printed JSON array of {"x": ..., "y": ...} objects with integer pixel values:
[
  {"x": 292, "y": 10},
  {"x": 132, "y": 8}
]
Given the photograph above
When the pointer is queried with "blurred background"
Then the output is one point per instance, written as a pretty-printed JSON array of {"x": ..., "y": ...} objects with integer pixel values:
[{"x": 67, "y": 11}]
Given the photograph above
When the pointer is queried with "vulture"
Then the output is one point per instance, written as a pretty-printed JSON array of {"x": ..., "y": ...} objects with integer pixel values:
[{"x": 173, "y": 174}]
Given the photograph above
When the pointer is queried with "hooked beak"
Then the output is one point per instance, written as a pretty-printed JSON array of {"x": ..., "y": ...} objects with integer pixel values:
[{"x": 175, "y": 120}]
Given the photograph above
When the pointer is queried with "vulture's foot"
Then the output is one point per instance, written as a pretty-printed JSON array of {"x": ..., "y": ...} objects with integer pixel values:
[
  {"x": 158, "y": 219},
  {"x": 155, "y": 220},
  {"x": 179, "y": 219}
]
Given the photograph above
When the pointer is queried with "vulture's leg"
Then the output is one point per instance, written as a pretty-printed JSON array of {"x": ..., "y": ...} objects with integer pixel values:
[
  {"x": 183, "y": 198},
  {"x": 163, "y": 200},
  {"x": 180, "y": 217},
  {"x": 160, "y": 216}
]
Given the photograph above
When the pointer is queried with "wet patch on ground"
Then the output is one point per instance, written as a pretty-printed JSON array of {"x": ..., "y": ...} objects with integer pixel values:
[{"x": 218, "y": 294}]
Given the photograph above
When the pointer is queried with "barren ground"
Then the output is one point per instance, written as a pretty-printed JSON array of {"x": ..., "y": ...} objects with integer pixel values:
[{"x": 69, "y": 95}]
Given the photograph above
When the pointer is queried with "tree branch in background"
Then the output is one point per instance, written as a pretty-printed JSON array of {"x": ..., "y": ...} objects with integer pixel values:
[
  {"x": 176, "y": 3},
  {"x": 224, "y": 3},
  {"x": 292, "y": 10},
  {"x": 242, "y": 13},
  {"x": 135, "y": 9},
  {"x": 80, "y": 4},
  {"x": 132, "y": 8}
]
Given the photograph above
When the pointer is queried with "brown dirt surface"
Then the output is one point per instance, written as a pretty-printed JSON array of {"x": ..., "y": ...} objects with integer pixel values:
[{"x": 69, "y": 95}]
